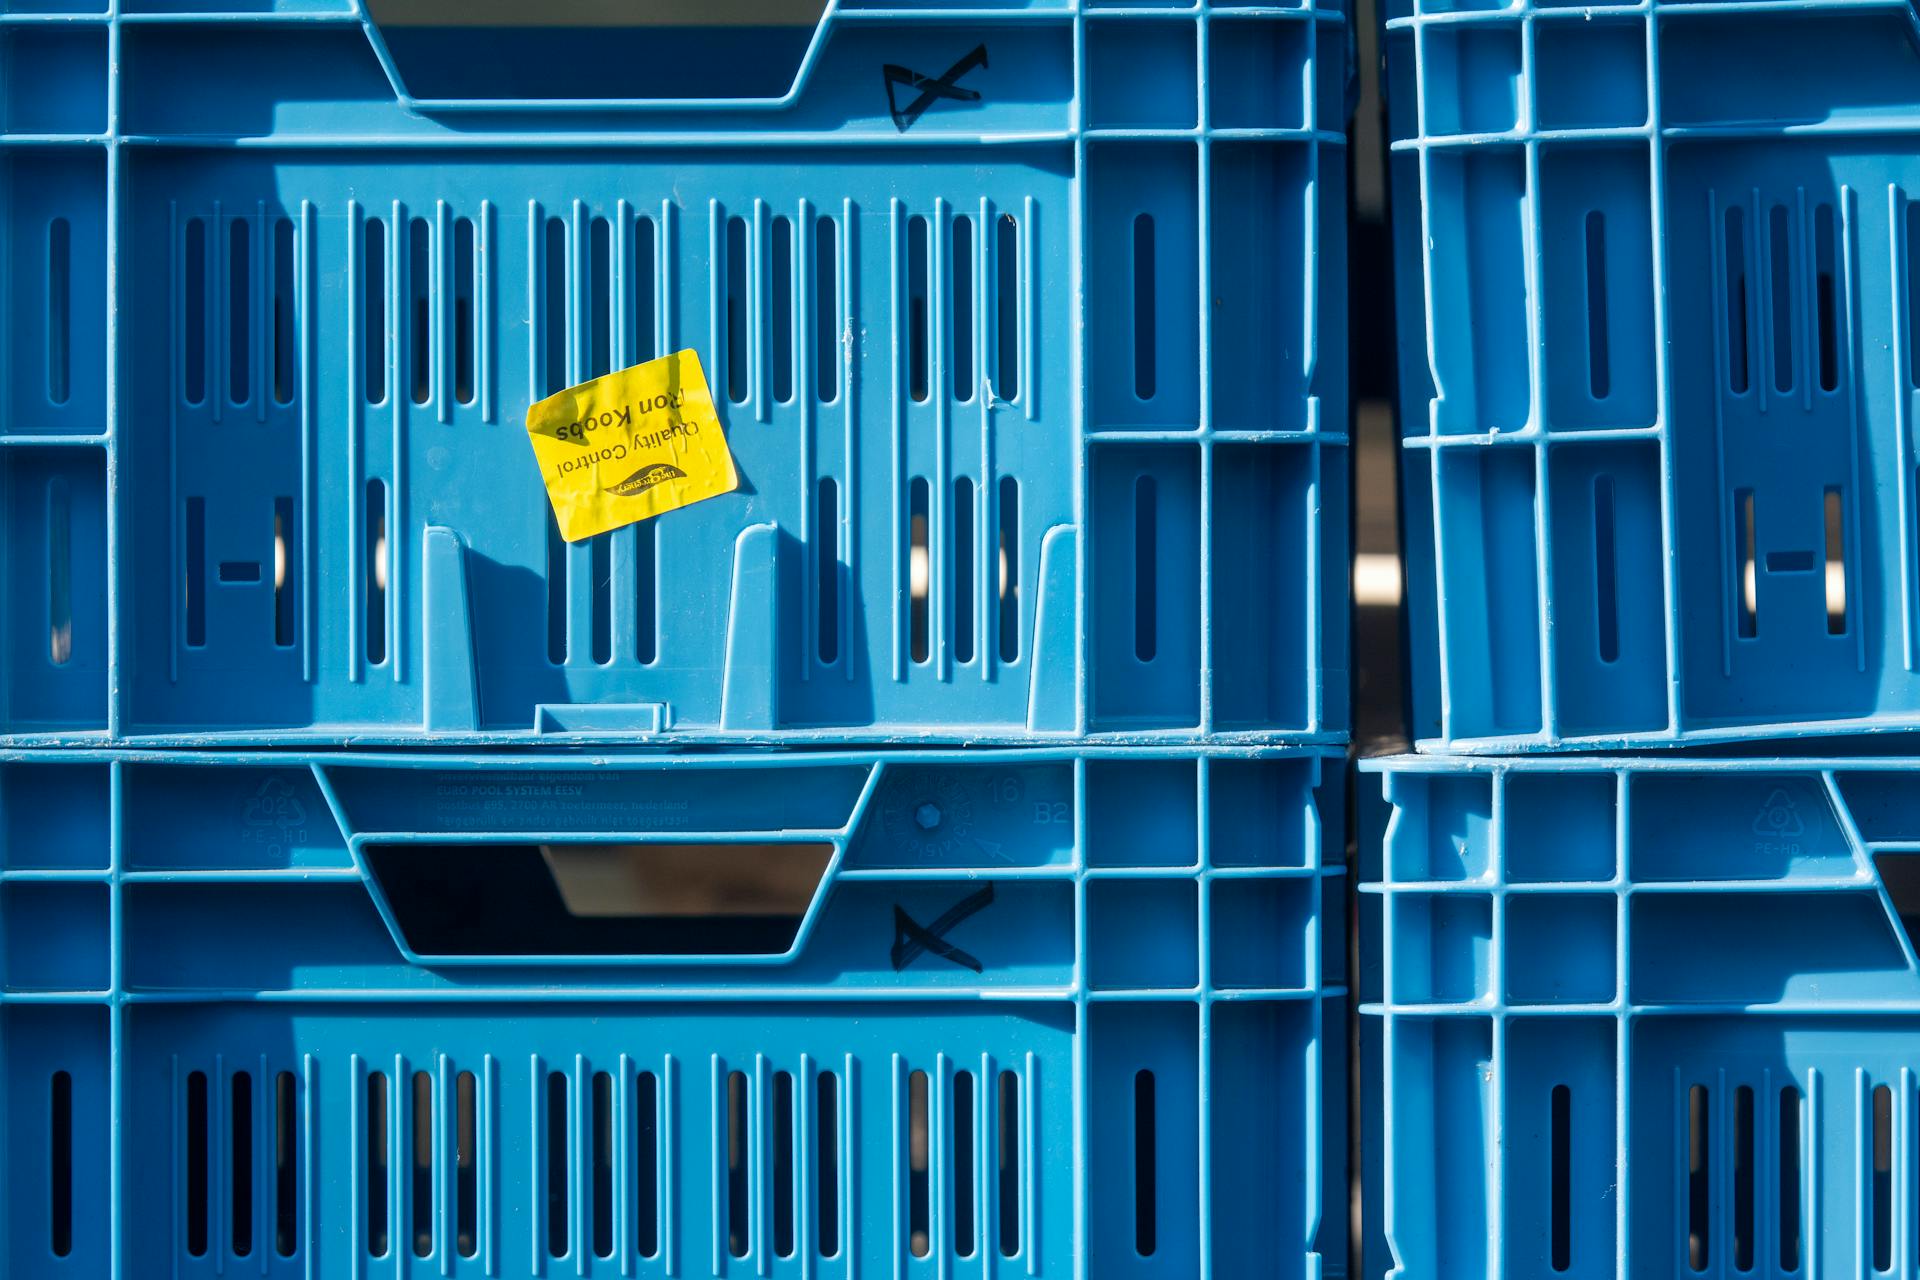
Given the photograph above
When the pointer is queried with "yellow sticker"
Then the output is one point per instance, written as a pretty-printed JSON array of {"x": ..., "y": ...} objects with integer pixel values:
[{"x": 630, "y": 445}]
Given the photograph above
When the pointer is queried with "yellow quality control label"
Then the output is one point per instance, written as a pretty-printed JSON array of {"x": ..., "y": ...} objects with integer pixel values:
[{"x": 630, "y": 445}]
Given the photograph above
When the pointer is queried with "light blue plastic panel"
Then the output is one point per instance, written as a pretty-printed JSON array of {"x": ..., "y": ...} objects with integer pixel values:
[
  {"x": 1026, "y": 326},
  {"x": 1644, "y": 1017},
  {"x": 1657, "y": 312},
  {"x": 1036, "y": 1013}
]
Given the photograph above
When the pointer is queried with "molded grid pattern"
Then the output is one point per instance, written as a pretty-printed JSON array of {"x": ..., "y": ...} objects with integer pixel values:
[
  {"x": 1048, "y": 446},
  {"x": 1656, "y": 303},
  {"x": 1649, "y": 1018},
  {"x": 216, "y": 1053}
]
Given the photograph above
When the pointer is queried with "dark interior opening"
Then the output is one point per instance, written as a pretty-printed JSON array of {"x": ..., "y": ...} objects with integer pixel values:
[{"x": 599, "y": 899}]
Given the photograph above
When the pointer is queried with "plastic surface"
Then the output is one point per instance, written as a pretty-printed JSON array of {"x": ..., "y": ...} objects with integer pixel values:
[
  {"x": 1034, "y": 1013},
  {"x": 1651, "y": 1017},
  {"x": 1657, "y": 297},
  {"x": 1028, "y": 327}
]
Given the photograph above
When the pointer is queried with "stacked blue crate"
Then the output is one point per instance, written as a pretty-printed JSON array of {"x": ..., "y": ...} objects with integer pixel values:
[
  {"x": 1035, "y": 376},
  {"x": 1026, "y": 326},
  {"x": 998, "y": 1013},
  {"x": 1658, "y": 369},
  {"x": 1644, "y": 1017}
]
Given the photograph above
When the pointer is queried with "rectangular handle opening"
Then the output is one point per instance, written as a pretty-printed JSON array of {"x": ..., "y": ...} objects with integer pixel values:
[{"x": 618, "y": 900}]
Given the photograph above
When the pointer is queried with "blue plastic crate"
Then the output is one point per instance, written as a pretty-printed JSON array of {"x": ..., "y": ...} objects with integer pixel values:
[
  {"x": 1646, "y": 1017},
  {"x": 1035, "y": 1013},
  {"x": 1027, "y": 328},
  {"x": 1657, "y": 297}
]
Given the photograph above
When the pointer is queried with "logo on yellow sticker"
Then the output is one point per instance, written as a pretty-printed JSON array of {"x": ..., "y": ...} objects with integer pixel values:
[{"x": 630, "y": 445}]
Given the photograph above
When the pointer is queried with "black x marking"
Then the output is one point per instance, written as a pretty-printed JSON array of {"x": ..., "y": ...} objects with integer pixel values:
[
  {"x": 911, "y": 939},
  {"x": 930, "y": 88}
]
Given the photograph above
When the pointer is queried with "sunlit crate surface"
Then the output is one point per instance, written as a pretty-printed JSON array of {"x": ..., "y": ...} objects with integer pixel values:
[
  {"x": 996, "y": 1013},
  {"x": 1033, "y": 364},
  {"x": 1657, "y": 300},
  {"x": 1648, "y": 1017}
]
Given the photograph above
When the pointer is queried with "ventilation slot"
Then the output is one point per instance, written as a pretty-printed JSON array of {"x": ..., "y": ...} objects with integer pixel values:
[
  {"x": 827, "y": 1167},
  {"x": 1882, "y": 1178},
  {"x": 1008, "y": 1155},
  {"x": 1006, "y": 294},
  {"x": 466, "y": 1182},
  {"x": 420, "y": 308},
  {"x": 376, "y": 584},
  {"x": 377, "y": 1187},
  {"x": 739, "y": 1230},
  {"x": 557, "y": 1159},
  {"x": 919, "y": 569},
  {"x": 239, "y": 311},
  {"x": 643, "y": 340},
  {"x": 420, "y": 1200},
  {"x": 962, "y": 276},
  {"x": 1743, "y": 1178},
  {"x": 737, "y": 310},
  {"x": 240, "y": 1171},
  {"x": 780, "y": 319},
  {"x": 464, "y": 316},
  {"x": 1698, "y": 1181},
  {"x": 60, "y": 1165},
  {"x": 783, "y": 1164},
  {"x": 1145, "y": 576},
  {"x": 602, "y": 1165},
  {"x": 194, "y": 322},
  {"x": 1143, "y": 304},
  {"x": 1599, "y": 380},
  {"x": 1605, "y": 570},
  {"x": 1780, "y": 287},
  {"x": 282, "y": 572},
  {"x": 1826, "y": 303},
  {"x": 286, "y": 1166},
  {"x": 646, "y": 621},
  {"x": 59, "y": 572},
  {"x": 826, "y": 569},
  {"x": 918, "y": 328},
  {"x": 962, "y": 570},
  {"x": 556, "y": 593},
  {"x": 919, "y": 1196},
  {"x": 373, "y": 307},
  {"x": 1836, "y": 563},
  {"x": 1736, "y": 259},
  {"x": 826, "y": 310},
  {"x": 1913, "y": 292},
  {"x": 197, "y": 1197},
  {"x": 554, "y": 316},
  {"x": 59, "y": 310},
  {"x": 965, "y": 1219},
  {"x": 600, "y": 298},
  {"x": 1789, "y": 1179},
  {"x": 196, "y": 572},
  {"x": 1747, "y": 588},
  {"x": 646, "y": 1228},
  {"x": 1561, "y": 1160},
  {"x": 1145, "y": 1165},
  {"x": 283, "y": 328},
  {"x": 1009, "y": 569},
  {"x": 600, "y": 572}
]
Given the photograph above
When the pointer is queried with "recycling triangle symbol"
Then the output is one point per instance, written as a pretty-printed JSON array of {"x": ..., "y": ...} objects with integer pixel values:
[{"x": 1779, "y": 816}]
